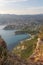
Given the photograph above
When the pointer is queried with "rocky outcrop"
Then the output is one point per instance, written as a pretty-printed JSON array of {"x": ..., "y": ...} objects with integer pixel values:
[
  {"x": 15, "y": 60},
  {"x": 2, "y": 43},
  {"x": 3, "y": 51},
  {"x": 8, "y": 58},
  {"x": 37, "y": 57}
]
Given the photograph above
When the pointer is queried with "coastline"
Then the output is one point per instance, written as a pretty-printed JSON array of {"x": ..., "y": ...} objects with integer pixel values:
[
  {"x": 24, "y": 46},
  {"x": 31, "y": 37}
]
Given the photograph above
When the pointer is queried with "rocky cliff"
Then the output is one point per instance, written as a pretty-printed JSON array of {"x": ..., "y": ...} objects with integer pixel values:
[{"x": 8, "y": 58}]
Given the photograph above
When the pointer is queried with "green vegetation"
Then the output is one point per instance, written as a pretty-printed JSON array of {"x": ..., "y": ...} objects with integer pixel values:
[
  {"x": 26, "y": 48},
  {"x": 41, "y": 32},
  {"x": 28, "y": 30}
]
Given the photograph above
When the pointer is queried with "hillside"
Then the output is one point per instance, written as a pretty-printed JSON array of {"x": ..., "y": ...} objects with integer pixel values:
[
  {"x": 20, "y": 54},
  {"x": 3, "y": 51},
  {"x": 7, "y": 58},
  {"x": 21, "y": 19},
  {"x": 25, "y": 48},
  {"x": 26, "y": 53}
]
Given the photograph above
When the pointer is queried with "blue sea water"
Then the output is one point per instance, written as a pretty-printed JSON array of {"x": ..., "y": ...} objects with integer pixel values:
[{"x": 11, "y": 39}]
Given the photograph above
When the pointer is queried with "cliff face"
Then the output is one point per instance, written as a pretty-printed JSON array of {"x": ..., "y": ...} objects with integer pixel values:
[
  {"x": 8, "y": 58},
  {"x": 3, "y": 51},
  {"x": 2, "y": 43}
]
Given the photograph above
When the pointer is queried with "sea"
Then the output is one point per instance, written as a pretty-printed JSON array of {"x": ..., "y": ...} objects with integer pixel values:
[{"x": 10, "y": 38}]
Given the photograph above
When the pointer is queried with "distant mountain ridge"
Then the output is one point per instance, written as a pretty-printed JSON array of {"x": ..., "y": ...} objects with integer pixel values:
[{"x": 18, "y": 19}]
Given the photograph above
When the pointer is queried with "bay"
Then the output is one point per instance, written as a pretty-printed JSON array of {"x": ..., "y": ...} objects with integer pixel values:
[{"x": 11, "y": 39}]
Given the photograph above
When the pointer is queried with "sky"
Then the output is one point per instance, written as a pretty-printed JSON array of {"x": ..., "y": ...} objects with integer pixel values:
[{"x": 21, "y": 7}]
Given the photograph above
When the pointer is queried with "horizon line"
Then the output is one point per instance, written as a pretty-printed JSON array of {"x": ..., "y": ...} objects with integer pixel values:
[{"x": 20, "y": 14}]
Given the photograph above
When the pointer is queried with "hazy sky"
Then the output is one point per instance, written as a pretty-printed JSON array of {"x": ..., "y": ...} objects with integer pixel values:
[{"x": 21, "y": 6}]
